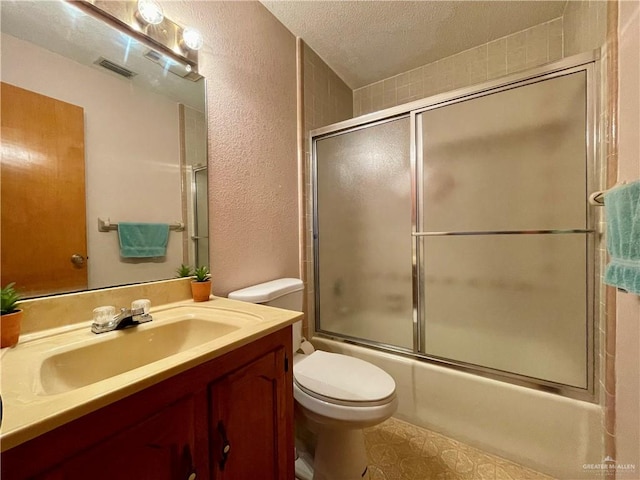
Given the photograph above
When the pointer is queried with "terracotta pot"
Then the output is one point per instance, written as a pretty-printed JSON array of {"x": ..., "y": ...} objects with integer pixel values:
[
  {"x": 10, "y": 324},
  {"x": 201, "y": 291}
]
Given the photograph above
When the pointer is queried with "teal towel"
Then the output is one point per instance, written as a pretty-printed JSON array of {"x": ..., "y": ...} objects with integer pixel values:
[
  {"x": 143, "y": 240},
  {"x": 622, "y": 208}
]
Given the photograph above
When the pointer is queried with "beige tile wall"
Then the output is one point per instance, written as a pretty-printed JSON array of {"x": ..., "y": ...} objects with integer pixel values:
[
  {"x": 585, "y": 25},
  {"x": 526, "y": 49},
  {"x": 327, "y": 100}
]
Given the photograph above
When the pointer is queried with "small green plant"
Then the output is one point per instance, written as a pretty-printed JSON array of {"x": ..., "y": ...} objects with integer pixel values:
[
  {"x": 9, "y": 299},
  {"x": 201, "y": 274},
  {"x": 184, "y": 271}
]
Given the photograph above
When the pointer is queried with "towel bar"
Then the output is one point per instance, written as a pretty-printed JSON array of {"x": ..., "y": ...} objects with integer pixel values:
[
  {"x": 107, "y": 226},
  {"x": 597, "y": 199}
]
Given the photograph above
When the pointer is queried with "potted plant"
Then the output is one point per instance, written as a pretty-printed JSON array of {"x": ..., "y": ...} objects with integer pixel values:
[
  {"x": 201, "y": 284},
  {"x": 11, "y": 316},
  {"x": 184, "y": 271}
]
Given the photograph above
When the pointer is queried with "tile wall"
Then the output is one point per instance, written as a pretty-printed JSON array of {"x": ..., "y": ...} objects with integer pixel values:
[
  {"x": 585, "y": 25},
  {"x": 526, "y": 49}
]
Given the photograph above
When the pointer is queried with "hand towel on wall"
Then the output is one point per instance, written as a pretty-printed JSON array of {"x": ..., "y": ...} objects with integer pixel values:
[
  {"x": 143, "y": 240},
  {"x": 622, "y": 210}
]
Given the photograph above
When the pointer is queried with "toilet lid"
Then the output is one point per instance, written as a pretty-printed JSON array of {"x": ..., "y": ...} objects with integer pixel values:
[{"x": 343, "y": 378}]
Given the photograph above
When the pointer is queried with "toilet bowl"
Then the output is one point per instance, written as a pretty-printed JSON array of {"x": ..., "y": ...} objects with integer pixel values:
[{"x": 336, "y": 396}]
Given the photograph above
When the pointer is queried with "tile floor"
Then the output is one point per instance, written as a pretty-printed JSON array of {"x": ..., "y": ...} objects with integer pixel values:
[{"x": 400, "y": 451}]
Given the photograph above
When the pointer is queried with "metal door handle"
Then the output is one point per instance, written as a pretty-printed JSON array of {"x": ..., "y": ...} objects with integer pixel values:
[{"x": 77, "y": 260}]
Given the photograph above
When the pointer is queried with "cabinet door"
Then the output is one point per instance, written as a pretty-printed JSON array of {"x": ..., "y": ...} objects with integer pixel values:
[
  {"x": 160, "y": 448},
  {"x": 249, "y": 422}
]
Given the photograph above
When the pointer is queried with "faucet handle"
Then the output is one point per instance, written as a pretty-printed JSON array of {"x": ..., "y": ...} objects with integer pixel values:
[
  {"x": 143, "y": 304},
  {"x": 103, "y": 315}
]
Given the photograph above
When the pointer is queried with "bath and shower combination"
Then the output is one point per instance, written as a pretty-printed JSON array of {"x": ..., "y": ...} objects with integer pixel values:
[{"x": 456, "y": 231}]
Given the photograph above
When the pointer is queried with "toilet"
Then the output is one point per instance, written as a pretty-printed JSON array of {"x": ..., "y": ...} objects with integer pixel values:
[{"x": 336, "y": 395}]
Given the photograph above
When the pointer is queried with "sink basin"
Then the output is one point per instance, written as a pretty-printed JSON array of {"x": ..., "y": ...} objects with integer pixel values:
[{"x": 107, "y": 355}]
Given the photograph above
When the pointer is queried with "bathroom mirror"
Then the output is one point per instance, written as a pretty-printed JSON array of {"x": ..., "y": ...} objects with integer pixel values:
[{"x": 129, "y": 135}]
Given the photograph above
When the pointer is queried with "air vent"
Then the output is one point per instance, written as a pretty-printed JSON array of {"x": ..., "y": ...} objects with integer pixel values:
[{"x": 114, "y": 67}]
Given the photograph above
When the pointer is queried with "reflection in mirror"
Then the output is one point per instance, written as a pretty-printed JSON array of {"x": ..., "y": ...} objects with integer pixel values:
[{"x": 95, "y": 125}]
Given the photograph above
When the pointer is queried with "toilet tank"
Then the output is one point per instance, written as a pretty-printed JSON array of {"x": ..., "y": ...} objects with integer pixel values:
[{"x": 282, "y": 293}]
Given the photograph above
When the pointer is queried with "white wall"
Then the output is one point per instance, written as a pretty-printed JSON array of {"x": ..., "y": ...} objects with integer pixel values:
[
  {"x": 131, "y": 149},
  {"x": 628, "y": 306}
]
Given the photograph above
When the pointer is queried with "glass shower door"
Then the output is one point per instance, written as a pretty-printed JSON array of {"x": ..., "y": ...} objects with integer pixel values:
[
  {"x": 363, "y": 233},
  {"x": 200, "y": 236},
  {"x": 504, "y": 235}
]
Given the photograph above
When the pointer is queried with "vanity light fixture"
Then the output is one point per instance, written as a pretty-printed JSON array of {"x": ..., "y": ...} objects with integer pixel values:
[
  {"x": 144, "y": 21},
  {"x": 192, "y": 38},
  {"x": 149, "y": 12}
]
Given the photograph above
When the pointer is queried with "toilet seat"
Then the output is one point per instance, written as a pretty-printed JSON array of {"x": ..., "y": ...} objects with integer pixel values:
[{"x": 343, "y": 380}]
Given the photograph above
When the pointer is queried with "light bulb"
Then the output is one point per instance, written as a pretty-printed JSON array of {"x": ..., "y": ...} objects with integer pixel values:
[
  {"x": 150, "y": 12},
  {"x": 192, "y": 38}
]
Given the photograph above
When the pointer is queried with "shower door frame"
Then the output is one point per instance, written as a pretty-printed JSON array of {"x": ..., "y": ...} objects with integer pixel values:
[
  {"x": 196, "y": 238},
  {"x": 587, "y": 62}
]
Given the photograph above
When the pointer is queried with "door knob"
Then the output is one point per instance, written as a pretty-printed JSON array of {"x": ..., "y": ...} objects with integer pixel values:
[{"x": 77, "y": 260}]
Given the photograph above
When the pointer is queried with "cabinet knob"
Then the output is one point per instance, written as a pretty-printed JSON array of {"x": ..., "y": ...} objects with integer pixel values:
[
  {"x": 226, "y": 446},
  {"x": 192, "y": 476}
]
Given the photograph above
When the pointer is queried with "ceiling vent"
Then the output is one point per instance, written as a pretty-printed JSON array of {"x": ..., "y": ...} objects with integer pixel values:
[{"x": 114, "y": 67}]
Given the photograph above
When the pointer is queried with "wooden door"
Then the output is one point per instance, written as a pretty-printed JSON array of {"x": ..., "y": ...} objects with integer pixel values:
[
  {"x": 248, "y": 427},
  {"x": 43, "y": 193}
]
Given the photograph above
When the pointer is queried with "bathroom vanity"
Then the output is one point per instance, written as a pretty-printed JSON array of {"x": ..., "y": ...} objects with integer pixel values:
[{"x": 222, "y": 409}]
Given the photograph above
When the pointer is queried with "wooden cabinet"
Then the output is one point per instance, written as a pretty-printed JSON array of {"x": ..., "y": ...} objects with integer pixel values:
[
  {"x": 247, "y": 401},
  {"x": 230, "y": 418},
  {"x": 159, "y": 448}
]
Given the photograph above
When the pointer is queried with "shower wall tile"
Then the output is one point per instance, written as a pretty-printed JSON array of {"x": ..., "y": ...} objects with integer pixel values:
[
  {"x": 585, "y": 25},
  {"x": 497, "y": 58},
  {"x": 404, "y": 93},
  {"x": 529, "y": 48},
  {"x": 537, "y": 45},
  {"x": 555, "y": 39},
  {"x": 327, "y": 99},
  {"x": 516, "y": 52}
]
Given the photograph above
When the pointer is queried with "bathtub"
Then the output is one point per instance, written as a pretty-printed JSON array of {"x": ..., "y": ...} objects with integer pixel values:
[{"x": 550, "y": 433}]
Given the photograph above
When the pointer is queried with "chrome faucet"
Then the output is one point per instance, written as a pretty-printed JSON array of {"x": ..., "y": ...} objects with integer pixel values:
[{"x": 105, "y": 319}]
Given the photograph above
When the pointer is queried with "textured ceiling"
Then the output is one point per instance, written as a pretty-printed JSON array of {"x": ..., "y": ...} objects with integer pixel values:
[{"x": 366, "y": 41}]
